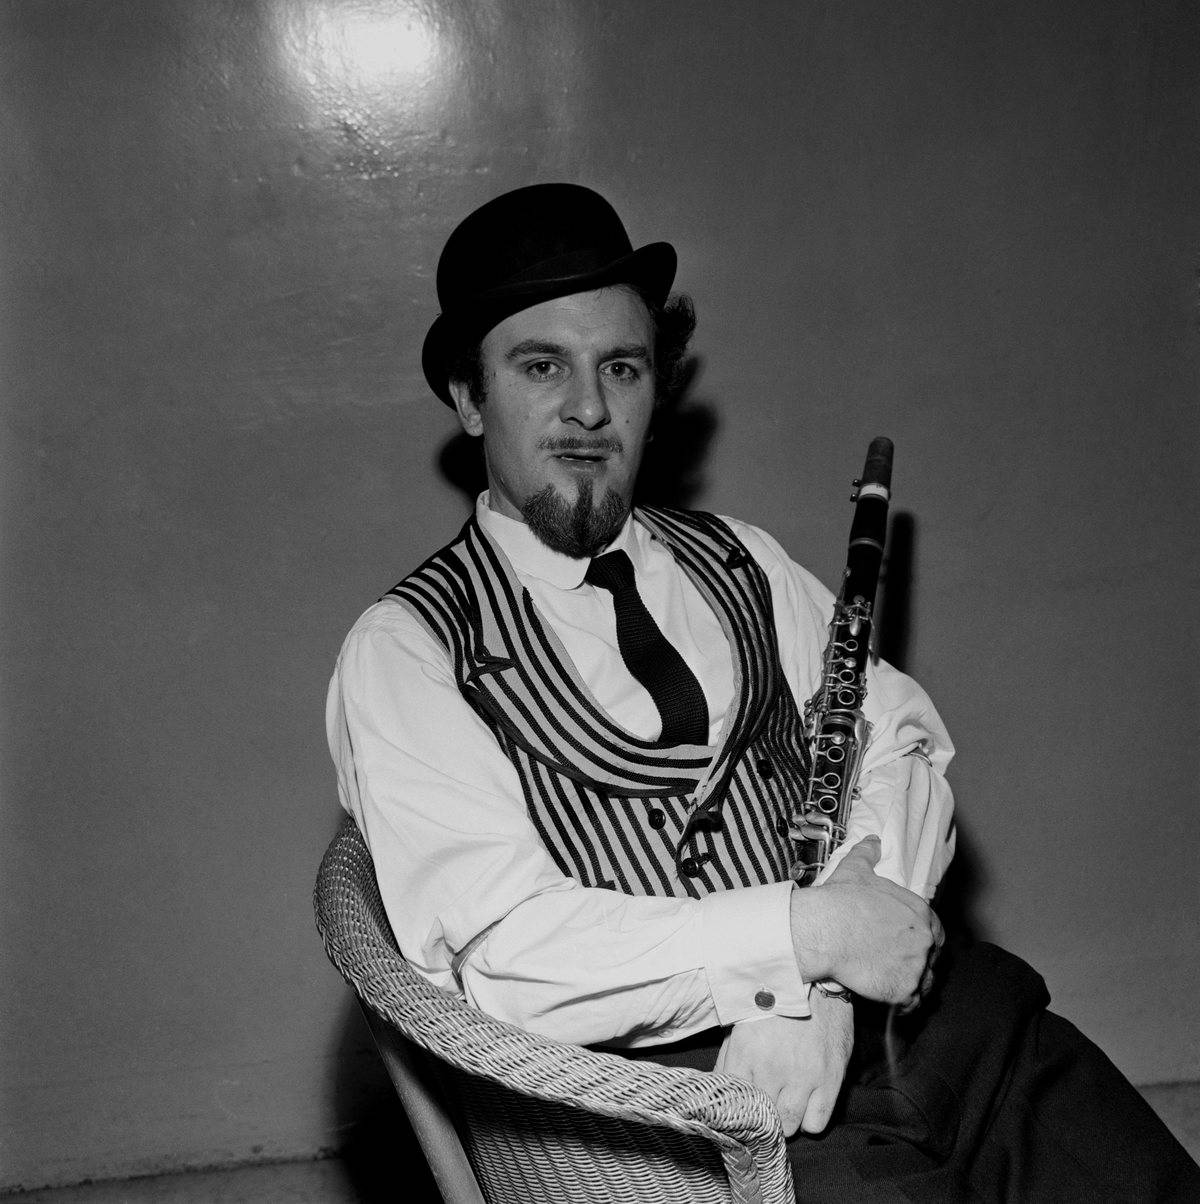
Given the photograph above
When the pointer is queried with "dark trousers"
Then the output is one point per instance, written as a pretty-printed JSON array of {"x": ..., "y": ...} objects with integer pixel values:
[{"x": 980, "y": 1095}]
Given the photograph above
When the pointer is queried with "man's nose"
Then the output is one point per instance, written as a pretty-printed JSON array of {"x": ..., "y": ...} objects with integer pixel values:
[{"x": 585, "y": 403}]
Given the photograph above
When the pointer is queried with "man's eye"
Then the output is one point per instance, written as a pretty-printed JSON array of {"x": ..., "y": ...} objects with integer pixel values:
[
  {"x": 622, "y": 371},
  {"x": 541, "y": 369}
]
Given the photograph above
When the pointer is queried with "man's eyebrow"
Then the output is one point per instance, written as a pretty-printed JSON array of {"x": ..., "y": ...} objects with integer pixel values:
[
  {"x": 630, "y": 351},
  {"x": 533, "y": 347}
]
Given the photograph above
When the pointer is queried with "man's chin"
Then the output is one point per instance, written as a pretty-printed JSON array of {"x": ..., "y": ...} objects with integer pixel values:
[{"x": 575, "y": 526}]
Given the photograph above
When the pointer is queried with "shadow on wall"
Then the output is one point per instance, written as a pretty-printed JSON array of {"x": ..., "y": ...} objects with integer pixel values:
[{"x": 893, "y": 620}]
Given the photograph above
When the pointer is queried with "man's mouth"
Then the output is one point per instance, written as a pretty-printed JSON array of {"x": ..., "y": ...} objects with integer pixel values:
[{"x": 580, "y": 453}]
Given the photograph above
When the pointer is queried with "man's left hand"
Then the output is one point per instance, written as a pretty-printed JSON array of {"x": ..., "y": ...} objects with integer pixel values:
[{"x": 799, "y": 1063}]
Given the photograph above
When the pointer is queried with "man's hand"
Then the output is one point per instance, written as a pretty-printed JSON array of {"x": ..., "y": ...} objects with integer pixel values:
[
  {"x": 865, "y": 932},
  {"x": 800, "y": 1064}
]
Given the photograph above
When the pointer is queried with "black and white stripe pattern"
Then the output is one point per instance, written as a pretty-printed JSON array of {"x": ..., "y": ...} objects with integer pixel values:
[{"x": 613, "y": 809}]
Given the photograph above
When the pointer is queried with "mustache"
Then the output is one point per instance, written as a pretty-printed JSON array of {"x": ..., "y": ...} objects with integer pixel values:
[{"x": 574, "y": 443}]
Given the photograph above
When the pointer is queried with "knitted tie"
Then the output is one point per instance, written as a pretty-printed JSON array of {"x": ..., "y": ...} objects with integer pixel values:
[{"x": 650, "y": 656}]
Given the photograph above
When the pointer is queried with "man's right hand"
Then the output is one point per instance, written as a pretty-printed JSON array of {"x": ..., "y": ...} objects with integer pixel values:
[{"x": 861, "y": 930}]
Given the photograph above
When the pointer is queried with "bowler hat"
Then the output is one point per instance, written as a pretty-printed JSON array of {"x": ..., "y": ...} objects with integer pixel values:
[{"x": 529, "y": 246}]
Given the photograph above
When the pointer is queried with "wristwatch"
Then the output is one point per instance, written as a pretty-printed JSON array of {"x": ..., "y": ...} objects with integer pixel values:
[{"x": 834, "y": 990}]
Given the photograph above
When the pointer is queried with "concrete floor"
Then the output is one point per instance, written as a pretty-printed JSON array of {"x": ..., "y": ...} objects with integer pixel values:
[
  {"x": 356, "y": 1181},
  {"x": 380, "y": 1163},
  {"x": 326, "y": 1182}
]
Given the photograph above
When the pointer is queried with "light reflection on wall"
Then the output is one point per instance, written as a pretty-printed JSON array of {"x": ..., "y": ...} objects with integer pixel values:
[
  {"x": 377, "y": 71},
  {"x": 367, "y": 47}
]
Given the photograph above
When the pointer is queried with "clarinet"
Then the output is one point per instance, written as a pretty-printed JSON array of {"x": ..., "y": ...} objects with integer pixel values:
[{"x": 835, "y": 729}]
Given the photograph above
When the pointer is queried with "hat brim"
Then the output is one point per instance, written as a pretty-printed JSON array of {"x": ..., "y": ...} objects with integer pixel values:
[{"x": 649, "y": 269}]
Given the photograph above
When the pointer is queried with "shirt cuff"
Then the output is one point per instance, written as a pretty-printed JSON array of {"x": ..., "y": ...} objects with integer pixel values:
[{"x": 746, "y": 938}]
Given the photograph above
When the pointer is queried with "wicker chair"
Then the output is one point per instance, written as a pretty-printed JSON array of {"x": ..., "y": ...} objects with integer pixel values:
[{"x": 540, "y": 1120}]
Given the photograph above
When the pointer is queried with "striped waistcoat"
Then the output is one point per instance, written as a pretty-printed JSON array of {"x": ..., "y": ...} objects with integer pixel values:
[{"x": 615, "y": 810}]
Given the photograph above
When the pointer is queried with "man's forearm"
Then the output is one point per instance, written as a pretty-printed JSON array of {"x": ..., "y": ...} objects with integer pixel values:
[{"x": 596, "y": 966}]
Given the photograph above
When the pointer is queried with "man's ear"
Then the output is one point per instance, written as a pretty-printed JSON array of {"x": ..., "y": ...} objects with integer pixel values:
[{"x": 467, "y": 410}]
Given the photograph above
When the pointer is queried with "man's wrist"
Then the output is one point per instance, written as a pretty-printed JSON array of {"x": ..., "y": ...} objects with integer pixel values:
[{"x": 808, "y": 934}]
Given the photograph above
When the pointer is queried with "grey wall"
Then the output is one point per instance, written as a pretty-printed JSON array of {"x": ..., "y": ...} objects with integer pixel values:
[{"x": 970, "y": 226}]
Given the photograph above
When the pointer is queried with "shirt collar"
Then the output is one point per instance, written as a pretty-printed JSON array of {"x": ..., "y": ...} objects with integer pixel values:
[{"x": 531, "y": 558}]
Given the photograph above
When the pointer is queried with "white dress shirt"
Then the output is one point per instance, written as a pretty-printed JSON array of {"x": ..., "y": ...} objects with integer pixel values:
[{"x": 458, "y": 859}]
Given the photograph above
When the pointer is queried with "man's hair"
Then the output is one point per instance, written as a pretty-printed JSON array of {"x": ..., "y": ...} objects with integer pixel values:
[{"x": 674, "y": 325}]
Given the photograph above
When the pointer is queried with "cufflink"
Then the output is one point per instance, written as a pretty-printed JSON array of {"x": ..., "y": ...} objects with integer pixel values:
[{"x": 764, "y": 999}]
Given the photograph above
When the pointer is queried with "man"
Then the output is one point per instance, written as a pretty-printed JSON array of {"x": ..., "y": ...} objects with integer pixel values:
[{"x": 572, "y": 740}]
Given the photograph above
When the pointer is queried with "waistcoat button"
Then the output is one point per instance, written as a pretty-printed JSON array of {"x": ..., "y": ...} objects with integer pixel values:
[
  {"x": 657, "y": 818},
  {"x": 765, "y": 768},
  {"x": 781, "y": 826},
  {"x": 689, "y": 867}
]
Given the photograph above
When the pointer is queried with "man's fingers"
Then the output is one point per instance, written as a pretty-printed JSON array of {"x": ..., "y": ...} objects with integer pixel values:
[
  {"x": 818, "y": 1112},
  {"x": 792, "y": 1107},
  {"x": 913, "y": 1001},
  {"x": 866, "y": 850}
]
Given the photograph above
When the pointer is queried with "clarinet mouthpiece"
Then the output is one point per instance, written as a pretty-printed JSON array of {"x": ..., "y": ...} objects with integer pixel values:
[{"x": 878, "y": 468}]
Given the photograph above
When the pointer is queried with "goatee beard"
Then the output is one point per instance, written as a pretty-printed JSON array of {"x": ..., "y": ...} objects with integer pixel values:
[{"x": 577, "y": 530}]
